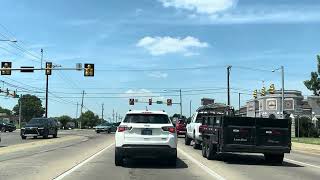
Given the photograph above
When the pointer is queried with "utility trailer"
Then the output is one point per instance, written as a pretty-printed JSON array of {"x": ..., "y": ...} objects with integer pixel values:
[{"x": 222, "y": 131}]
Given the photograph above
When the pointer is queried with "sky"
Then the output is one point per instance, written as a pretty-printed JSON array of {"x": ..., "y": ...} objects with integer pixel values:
[{"x": 153, "y": 48}]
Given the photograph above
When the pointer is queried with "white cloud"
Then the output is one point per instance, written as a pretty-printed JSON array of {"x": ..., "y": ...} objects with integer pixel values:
[
  {"x": 143, "y": 95},
  {"x": 158, "y": 75},
  {"x": 200, "y": 6},
  {"x": 165, "y": 45}
]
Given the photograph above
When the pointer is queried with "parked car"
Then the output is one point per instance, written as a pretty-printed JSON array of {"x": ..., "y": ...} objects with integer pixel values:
[
  {"x": 104, "y": 127},
  {"x": 222, "y": 131},
  {"x": 193, "y": 133},
  {"x": 181, "y": 127},
  {"x": 40, "y": 127},
  {"x": 7, "y": 126},
  {"x": 146, "y": 134}
]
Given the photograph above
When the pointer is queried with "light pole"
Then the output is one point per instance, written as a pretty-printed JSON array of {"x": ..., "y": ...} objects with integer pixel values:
[{"x": 282, "y": 98}]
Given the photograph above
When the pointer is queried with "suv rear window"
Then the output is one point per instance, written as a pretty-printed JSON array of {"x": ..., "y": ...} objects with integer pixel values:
[{"x": 147, "y": 118}]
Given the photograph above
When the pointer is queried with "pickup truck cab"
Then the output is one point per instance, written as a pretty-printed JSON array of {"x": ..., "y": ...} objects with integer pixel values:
[
  {"x": 193, "y": 133},
  {"x": 224, "y": 132}
]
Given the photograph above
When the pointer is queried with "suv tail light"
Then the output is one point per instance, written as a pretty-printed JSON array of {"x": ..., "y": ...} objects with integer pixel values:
[
  {"x": 202, "y": 127},
  {"x": 169, "y": 128},
  {"x": 123, "y": 128}
]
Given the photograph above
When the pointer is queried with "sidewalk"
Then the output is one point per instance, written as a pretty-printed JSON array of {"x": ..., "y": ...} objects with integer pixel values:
[{"x": 306, "y": 148}]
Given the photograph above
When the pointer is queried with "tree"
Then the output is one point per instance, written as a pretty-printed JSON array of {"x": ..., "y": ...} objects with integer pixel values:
[
  {"x": 6, "y": 111},
  {"x": 88, "y": 119},
  {"x": 314, "y": 83},
  {"x": 306, "y": 128},
  {"x": 64, "y": 120},
  {"x": 31, "y": 107}
]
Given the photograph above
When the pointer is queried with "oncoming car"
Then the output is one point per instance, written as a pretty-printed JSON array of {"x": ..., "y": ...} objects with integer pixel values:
[{"x": 146, "y": 134}]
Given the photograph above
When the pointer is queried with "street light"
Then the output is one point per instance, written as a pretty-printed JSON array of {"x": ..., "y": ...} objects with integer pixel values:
[
  {"x": 282, "y": 99},
  {"x": 9, "y": 40}
]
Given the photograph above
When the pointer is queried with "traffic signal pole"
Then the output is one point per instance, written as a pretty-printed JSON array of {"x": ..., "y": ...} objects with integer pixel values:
[
  {"x": 228, "y": 83},
  {"x": 47, "y": 89}
]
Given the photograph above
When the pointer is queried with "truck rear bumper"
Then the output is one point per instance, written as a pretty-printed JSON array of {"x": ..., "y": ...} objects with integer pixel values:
[
  {"x": 147, "y": 151},
  {"x": 255, "y": 149}
]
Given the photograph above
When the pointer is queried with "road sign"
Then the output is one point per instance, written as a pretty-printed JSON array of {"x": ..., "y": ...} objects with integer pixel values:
[
  {"x": 78, "y": 66},
  {"x": 27, "y": 69},
  {"x": 159, "y": 102}
]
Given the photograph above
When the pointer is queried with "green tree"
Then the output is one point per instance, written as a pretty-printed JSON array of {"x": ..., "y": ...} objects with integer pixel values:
[
  {"x": 31, "y": 107},
  {"x": 314, "y": 83},
  {"x": 64, "y": 120},
  {"x": 306, "y": 128},
  {"x": 89, "y": 119},
  {"x": 6, "y": 111}
]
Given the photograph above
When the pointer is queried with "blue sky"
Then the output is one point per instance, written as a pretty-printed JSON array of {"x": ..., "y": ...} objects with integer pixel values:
[{"x": 157, "y": 36}]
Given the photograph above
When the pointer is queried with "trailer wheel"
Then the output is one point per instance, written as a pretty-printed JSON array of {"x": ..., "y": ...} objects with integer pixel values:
[
  {"x": 204, "y": 150},
  {"x": 187, "y": 140},
  {"x": 211, "y": 151}
]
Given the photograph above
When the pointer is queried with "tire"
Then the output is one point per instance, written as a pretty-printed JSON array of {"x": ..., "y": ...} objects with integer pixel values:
[
  {"x": 55, "y": 135},
  {"x": 98, "y": 132},
  {"x": 274, "y": 158},
  {"x": 211, "y": 152},
  {"x": 118, "y": 158},
  {"x": 204, "y": 152},
  {"x": 196, "y": 145},
  {"x": 109, "y": 131},
  {"x": 3, "y": 129},
  {"x": 187, "y": 140},
  {"x": 23, "y": 137},
  {"x": 45, "y": 134}
]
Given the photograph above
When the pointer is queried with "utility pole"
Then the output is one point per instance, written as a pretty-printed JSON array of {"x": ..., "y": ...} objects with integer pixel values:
[
  {"x": 41, "y": 57},
  {"x": 228, "y": 83},
  {"x": 116, "y": 116},
  {"x": 239, "y": 102},
  {"x": 81, "y": 109},
  {"x": 77, "y": 110},
  {"x": 113, "y": 115},
  {"x": 20, "y": 111},
  {"x": 190, "y": 108},
  {"x": 102, "y": 109},
  {"x": 180, "y": 103},
  {"x": 282, "y": 101}
]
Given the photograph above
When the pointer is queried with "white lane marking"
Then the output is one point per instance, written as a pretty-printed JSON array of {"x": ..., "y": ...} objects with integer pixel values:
[
  {"x": 61, "y": 176},
  {"x": 302, "y": 163},
  {"x": 202, "y": 166}
]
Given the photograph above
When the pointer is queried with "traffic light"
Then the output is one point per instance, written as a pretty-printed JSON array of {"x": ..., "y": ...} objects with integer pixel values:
[
  {"x": 88, "y": 69},
  {"x": 169, "y": 102},
  {"x": 131, "y": 102},
  {"x": 272, "y": 89},
  {"x": 15, "y": 95},
  {"x": 150, "y": 102},
  {"x": 255, "y": 94},
  {"x": 48, "y": 68},
  {"x": 7, "y": 66},
  {"x": 263, "y": 91}
]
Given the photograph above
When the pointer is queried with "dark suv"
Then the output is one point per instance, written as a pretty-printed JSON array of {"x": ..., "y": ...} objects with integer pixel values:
[
  {"x": 7, "y": 126},
  {"x": 40, "y": 127}
]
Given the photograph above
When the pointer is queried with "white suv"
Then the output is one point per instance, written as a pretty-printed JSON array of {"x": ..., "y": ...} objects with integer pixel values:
[{"x": 146, "y": 134}]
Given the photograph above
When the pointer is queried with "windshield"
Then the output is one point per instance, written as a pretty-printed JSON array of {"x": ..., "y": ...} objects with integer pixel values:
[
  {"x": 147, "y": 118},
  {"x": 37, "y": 121}
]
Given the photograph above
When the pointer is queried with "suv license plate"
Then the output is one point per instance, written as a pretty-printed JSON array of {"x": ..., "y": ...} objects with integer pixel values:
[{"x": 146, "y": 132}]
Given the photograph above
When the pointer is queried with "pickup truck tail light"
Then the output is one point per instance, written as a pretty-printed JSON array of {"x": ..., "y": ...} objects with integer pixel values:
[
  {"x": 202, "y": 128},
  {"x": 123, "y": 128},
  {"x": 169, "y": 128}
]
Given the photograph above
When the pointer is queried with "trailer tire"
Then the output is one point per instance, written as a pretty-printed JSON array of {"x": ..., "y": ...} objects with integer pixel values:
[
  {"x": 211, "y": 151},
  {"x": 187, "y": 140}
]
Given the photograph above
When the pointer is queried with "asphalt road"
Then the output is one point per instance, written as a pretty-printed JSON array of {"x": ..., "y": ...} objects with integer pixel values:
[{"x": 82, "y": 155}]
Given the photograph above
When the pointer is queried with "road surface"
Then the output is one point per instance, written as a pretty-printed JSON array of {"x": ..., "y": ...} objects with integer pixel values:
[{"x": 83, "y": 154}]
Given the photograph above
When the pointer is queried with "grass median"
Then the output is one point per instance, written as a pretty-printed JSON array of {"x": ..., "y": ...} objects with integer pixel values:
[{"x": 315, "y": 141}]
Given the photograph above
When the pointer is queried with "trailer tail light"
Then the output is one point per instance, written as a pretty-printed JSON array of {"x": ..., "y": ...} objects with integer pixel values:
[
  {"x": 123, "y": 128},
  {"x": 169, "y": 128}
]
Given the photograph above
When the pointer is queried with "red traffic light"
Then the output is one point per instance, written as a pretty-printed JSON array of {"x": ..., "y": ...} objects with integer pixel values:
[
  {"x": 169, "y": 102},
  {"x": 150, "y": 102},
  {"x": 131, "y": 102}
]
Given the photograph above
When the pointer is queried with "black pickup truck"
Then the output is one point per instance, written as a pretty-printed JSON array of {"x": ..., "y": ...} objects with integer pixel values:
[{"x": 222, "y": 131}]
